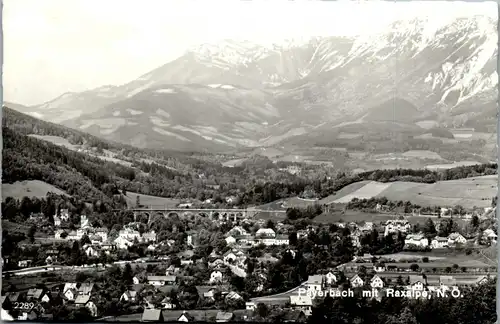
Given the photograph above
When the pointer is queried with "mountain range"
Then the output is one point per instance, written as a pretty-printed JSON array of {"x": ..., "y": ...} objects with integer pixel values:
[{"x": 413, "y": 77}]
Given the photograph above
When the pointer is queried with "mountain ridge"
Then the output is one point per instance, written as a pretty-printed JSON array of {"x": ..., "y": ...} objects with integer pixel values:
[{"x": 226, "y": 96}]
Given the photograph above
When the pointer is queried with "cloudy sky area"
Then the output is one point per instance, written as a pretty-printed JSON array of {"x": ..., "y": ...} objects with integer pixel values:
[{"x": 55, "y": 46}]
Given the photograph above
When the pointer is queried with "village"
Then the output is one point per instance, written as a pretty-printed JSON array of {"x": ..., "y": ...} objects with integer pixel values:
[{"x": 156, "y": 284}]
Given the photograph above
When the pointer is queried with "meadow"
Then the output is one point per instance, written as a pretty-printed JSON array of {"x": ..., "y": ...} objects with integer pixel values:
[
  {"x": 29, "y": 188},
  {"x": 150, "y": 201},
  {"x": 469, "y": 192}
]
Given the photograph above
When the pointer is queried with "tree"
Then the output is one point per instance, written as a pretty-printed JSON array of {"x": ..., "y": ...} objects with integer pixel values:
[
  {"x": 31, "y": 233},
  {"x": 429, "y": 228},
  {"x": 128, "y": 275},
  {"x": 414, "y": 267},
  {"x": 137, "y": 201},
  {"x": 474, "y": 222},
  {"x": 405, "y": 317},
  {"x": 262, "y": 310}
]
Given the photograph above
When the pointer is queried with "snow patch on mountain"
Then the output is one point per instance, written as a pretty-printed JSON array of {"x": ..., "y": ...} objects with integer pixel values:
[
  {"x": 167, "y": 133},
  {"x": 158, "y": 121},
  {"x": 163, "y": 113},
  {"x": 140, "y": 89},
  {"x": 165, "y": 91},
  {"x": 134, "y": 112}
]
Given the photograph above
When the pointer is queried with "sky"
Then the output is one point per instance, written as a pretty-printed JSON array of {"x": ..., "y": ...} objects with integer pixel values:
[{"x": 57, "y": 46}]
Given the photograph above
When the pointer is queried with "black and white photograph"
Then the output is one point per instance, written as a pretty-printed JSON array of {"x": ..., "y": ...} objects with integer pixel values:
[{"x": 249, "y": 161}]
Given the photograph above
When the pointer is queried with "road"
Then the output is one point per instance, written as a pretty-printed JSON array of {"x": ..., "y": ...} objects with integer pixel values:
[
  {"x": 284, "y": 296},
  {"x": 41, "y": 269}
]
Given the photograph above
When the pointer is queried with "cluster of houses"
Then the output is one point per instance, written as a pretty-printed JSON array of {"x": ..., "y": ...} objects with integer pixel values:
[
  {"x": 391, "y": 227},
  {"x": 99, "y": 237},
  {"x": 453, "y": 240},
  {"x": 266, "y": 236},
  {"x": 323, "y": 284},
  {"x": 73, "y": 295}
]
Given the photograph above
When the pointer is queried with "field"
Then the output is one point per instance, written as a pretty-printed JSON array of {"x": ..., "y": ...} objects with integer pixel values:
[
  {"x": 477, "y": 191},
  {"x": 60, "y": 141},
  {"x": 344, "y": 192},
  {"x": 359, "y": 216},
  {"x": 56, "y": 140},
  {"x": 29, "y": 188},
  {"x": 233, "y": 163},
  {"x": 276, "y": 217},
  {"x": 151, "y": 201}
]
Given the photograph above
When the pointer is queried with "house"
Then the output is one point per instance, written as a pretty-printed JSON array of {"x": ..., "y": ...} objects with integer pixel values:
[
  {"x": 58, "y": 233},
  {"x": 303, "y": 303},
  {"x": 57, "y": 221},
  {"x": 417, "y": 282},
  {"x": 129, "y": 234},
  {"x": 27, "y": 316},
  {"x": 14, "y": 297},
  {"x": 356, "y": 281},
  {"x": 108, "y": 248},
  {"x": 64, "y": 215},
  {"x": 238, "y": 231},
  {"x": 233, "y": 296},
  {"x": 330, "y": 278},
  {"x": 161, "y": 280},
  {"x": 229, "y": 257},
  {"x": 395, "y": 226},
  {"x": 185, "y": 317},
  {"x": 122, "y": 243},
  {"x": 315, "y": 283},
  {"x": 84, "y": 301},
  {"x": 282, "y": 240},
  {"x": 137, "y": 280},
  {"x": 46, "y": 298},
  {"x": 152, "y": 315},
  {"x": 24, "y": 263},
  {"x": 230, "y": 240},
  {"x": 489, "y": 235},
  {"x": 92, "y": 251},
  {"x": 416, "y": 240},
  {"x": 444, "y": 211},
  {"x": 102, "y": 232},
  {"x": 149, "y": 237},
  {"x": 301, "y": 234},
  {"x": 224, "y": 317},
  {"x": 439, "y": 242},
  {"x": 376, "y": 282},
  {"x": 216, "y": 264},
  {"x": 456, "y": 238},
  {"x": 251, "y": 306},
  {"x": 129, "y": 296},
  {"x": 482, "y": 280},
  {"x": 265, "y": 232},
  {"x": 69, "y": 291},
  {"x": 167, "y": 303},
  {"x": 216, "y": 276},
  {"x": 34, "y": 294},
  {"x": 95, "y": 239},
  {"x": 379, "y": 267},
  {"x": 366, "y": 227},
  {"x": 86, "y": 289}
]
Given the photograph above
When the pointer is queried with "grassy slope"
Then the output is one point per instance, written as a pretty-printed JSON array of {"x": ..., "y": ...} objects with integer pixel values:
[
  {"x": 29, "y": 188},
  {"x": 150, "y": 201},
  {"x": 468, "y": 192}
]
